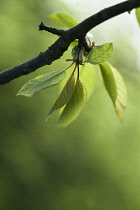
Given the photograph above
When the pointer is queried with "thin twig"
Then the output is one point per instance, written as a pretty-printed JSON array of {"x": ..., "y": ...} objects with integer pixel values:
[{"x": 55, "y": 31}]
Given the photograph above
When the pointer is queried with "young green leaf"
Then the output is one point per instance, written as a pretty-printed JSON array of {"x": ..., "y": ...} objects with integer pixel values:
[
  {"x": 63, "y": 19},
  {"x": 121, "y": 94},
  {"x": 100, "y": 54},
  {"x": 138, "y": 15},
  {"x": 115, "y": 87},
  {"x": 64, "y": 96},
  {"x": 109, "y": 81},
  {"x": 74, "y": 105},
  {"x": 74, "y": 43},
  {"x": 41, "y": 82},
  {"x": 88, "y": 77}
]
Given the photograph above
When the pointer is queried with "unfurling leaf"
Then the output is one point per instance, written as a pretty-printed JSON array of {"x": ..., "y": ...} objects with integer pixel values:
[
  {"x": 100, "y": 54},
  {"x": 63, "y": 19},
  {"x": 64, "y": 96},
  {"x": 115, "y": 87},
  {"x": 74, "y": 105},
  {"x": 41, "y": 82},
  {"x": 138, "y": 15}
]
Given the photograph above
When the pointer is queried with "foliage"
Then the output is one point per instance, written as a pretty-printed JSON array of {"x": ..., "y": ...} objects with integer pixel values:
[
  {"x": 65, "y": 95},
  {"x": 63, "y": 19},
  {"x": 138, "y": 15},
  {"x": 115, "y": 87},
  {"x": 74, "y": 94},
  {"x": 41, "y": 82},
  {"x": 74, "y": 105},
  {"x": 99, "y": 54}
]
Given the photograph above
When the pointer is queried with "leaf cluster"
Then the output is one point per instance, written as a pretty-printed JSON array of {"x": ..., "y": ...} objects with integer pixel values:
[{"x": 82, "y": 79}]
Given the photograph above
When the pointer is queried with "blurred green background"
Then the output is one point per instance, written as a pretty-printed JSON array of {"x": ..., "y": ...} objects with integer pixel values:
[{"x": 95, "y": 162}]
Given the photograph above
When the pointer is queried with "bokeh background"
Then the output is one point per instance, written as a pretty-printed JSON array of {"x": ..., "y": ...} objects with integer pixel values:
[{"x": 95, "y": 162}]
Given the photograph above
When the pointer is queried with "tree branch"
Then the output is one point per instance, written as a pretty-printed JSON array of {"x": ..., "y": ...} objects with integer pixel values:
[
  {"x": 55, "y": 31},
  {"x": 56, "y": 50}
]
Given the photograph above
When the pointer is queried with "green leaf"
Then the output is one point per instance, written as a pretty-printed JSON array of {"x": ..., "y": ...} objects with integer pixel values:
[
  {"x": 109, "y": 81},
  {"x": 74, "y": 106},
  {"x": 64, "y": 96},
  {"x": 74, "y": 43},
  {"x": 63, "y": 19},
  {"x": 100, "y": 54},
  {"x": 88, "y": 77},
  {"x": 113, "y": 81},
  {"x": 121, "y": 101},
  {"x": 41, "y": 82},
  {"x": 138, "y": 15}
]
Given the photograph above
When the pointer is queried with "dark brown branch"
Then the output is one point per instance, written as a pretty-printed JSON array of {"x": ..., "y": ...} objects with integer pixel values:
[
  {"x": 55, "y": 31},
  {"x": 107, "y": 14},
  {"x": 56, "y": 50}
]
